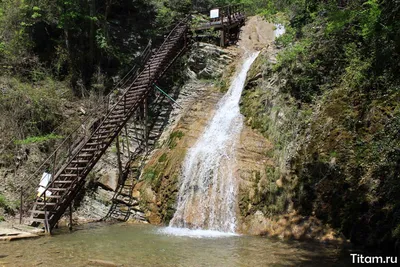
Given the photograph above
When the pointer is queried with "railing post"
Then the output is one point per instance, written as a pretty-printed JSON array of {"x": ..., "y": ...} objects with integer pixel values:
[
  {"x": 119, "y": 161},
  {"x": 70, "y": 216},
  {"x": 222, "y": 18},
  {"x": 107, "y": 102},
  {"x": 54, "y": 166},
  {"x": 46, "y": 218},
  {"x": 20, "y": 206},
  {"x": 229, "y": 15},
  {"x": 145, "y": 130},
  {"x": 127, "y": 141},
  {"x": 124, "y": 104},
  {"x": 69, "y": 147}
]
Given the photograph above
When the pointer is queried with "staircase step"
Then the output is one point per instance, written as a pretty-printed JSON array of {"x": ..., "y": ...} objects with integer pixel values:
[
  {"x": 144, "y": 83},
  {"x": 63, "y": 182},
  {"x": 54, "y": 196},
  {"x": 144, "y": 78},
  {"x": 101, "y": 137},
  {"x": 120, "y": 110},
  {"x": 138, "y": 92},
  {"x": 68, "y": 174},
  {"x": 116, "y": 116},
  {"x": 38, "y": 212},
  {"x": 85, "y": 155},
  {"x": 88, "y": 150},
  {"x": 37, "y": 220},
  {"x": 160, "y": 56},
  {"x": 94, "y": 144},
  {"x": 137, "y": 88},
  {"x": 108, "y": 122},
  {"x": 58, "y": 189},
  {"x": 47, "y": 204},
  {"x": 133, "y": 100},
  {"x": 80, "y": 161},
  {"x": 103, "y": 132},
  {"x": 109, "y": 126},
  {"x": 76, "y": 168}
]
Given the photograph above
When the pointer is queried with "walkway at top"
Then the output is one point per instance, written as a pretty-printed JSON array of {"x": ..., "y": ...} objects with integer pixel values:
[{"x": 224, "y": 18}]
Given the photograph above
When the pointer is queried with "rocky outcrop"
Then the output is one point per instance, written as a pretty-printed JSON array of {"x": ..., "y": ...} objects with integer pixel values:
[{"x": 209, "y": 61}]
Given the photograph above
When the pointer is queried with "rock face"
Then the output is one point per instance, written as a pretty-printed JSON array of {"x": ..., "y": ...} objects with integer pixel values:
[{"x": 208, "y": 61}]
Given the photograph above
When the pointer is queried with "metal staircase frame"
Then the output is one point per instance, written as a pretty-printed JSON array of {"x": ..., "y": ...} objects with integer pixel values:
[{"x": 70, "y": 177}]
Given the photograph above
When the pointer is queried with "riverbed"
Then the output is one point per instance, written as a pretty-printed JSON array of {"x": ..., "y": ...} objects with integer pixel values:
[{"x": 146, "y": 245}]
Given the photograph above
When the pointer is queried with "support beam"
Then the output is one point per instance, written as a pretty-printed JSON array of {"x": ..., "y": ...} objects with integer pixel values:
[
  {"x": 20, "y": 206},
  {"x": 70, "y": 217},
  {"x": 145, "y": 120},
  {"x": 222, "y": 40},
  {"x": 119, "y": 161},
  {"x": 127, "y": 141}
]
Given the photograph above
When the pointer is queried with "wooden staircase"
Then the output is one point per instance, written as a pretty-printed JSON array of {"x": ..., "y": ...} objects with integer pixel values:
[
  {"x": 70, "y": 174},
  {"x": 123, "y": 203}
]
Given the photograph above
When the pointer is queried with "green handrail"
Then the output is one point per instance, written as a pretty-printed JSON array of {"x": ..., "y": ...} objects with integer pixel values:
[{"x": 167, "y": 95}]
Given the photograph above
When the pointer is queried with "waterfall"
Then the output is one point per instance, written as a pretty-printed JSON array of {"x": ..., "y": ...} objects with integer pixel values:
[{"x": 207, "y": 197}]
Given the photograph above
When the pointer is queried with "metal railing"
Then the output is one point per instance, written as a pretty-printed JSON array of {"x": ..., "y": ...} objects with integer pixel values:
[
  {"x": 70, "y": 144},
  {"x": 226, "y": 13}
]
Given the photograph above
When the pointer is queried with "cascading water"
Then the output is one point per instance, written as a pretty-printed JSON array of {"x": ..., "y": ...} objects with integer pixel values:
[{"x": 208, "y": 191}]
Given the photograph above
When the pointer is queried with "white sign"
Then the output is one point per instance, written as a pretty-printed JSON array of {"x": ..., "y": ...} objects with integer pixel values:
[
  {"x": 46, "y": 178},
  {"x": 214, "y": 13}
]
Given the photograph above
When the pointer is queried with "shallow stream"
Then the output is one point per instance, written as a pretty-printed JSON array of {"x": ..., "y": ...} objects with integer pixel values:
[{"x": 146, "y": 245}]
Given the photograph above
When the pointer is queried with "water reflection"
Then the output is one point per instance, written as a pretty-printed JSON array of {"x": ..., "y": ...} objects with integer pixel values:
[{"x": 144, "y": 245}]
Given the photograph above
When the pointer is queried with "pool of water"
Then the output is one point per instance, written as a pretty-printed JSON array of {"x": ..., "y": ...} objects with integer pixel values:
[{"x": 146, "y": 245}]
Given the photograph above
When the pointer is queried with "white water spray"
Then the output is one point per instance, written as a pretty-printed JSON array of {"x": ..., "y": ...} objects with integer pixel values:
[{"x": 208, "y": 191}]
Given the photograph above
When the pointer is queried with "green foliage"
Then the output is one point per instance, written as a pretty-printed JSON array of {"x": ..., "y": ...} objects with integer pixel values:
[
  {"x": 289, "y": 56},
  {"x": 73, "y": 38},
  {"x": 172, "y": 140},
  {"x": 357, "y": 71},
  {"x": 286, "y": 39},
  {"x": 163, "y": 157},
  {"x": 370, "y": 18},
  {"x": 13, "y": 35},
  {"x": 25, "y": 109},
  {"x": 332, "y": 112},
  {"x": 37, "y": 139},
  {"x": 3, "y": 201},
  {"x": 150, "y": 174}
]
